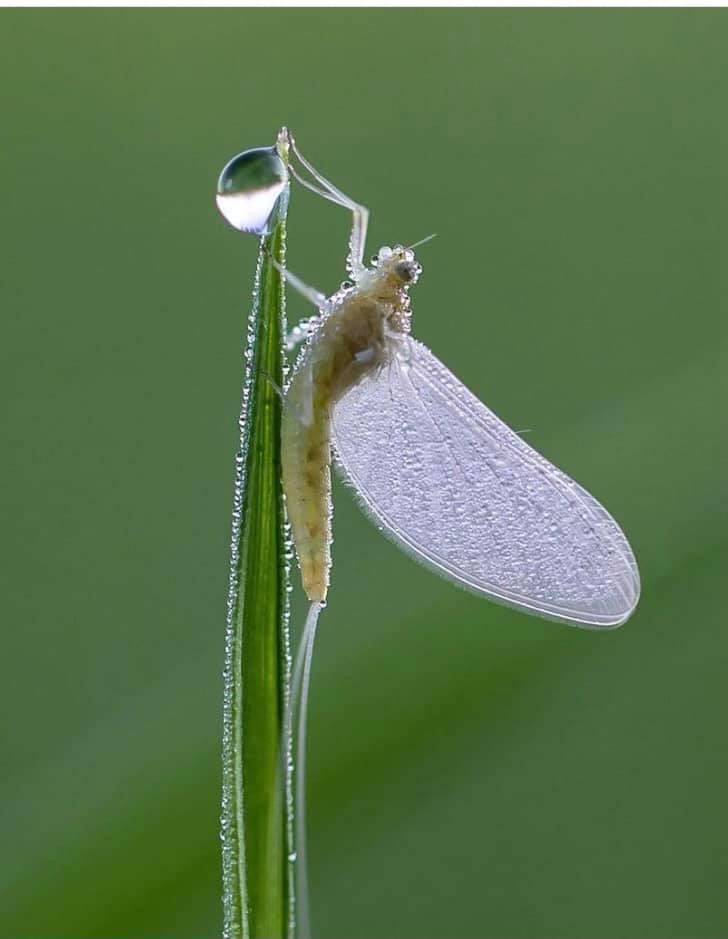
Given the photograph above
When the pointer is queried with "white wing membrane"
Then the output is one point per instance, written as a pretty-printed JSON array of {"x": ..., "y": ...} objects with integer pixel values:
[{"x": 459, "y": 490}]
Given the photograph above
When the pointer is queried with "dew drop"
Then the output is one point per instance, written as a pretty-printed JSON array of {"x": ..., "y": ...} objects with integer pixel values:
[{"x": 249, "y": 187}]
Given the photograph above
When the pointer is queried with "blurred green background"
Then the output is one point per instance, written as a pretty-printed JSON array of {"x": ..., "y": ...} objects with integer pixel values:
[{"x": 473, "y": 772}]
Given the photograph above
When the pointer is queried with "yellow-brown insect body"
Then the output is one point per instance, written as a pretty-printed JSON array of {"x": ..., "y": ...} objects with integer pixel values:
[{"x": 356, "y": 336}]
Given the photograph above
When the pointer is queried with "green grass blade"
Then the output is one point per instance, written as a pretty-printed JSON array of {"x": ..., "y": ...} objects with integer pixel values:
[{"x": 256, "y": 820}]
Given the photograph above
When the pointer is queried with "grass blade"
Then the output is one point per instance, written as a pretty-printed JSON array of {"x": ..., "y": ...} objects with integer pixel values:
[{"x": 256, "y": 820}]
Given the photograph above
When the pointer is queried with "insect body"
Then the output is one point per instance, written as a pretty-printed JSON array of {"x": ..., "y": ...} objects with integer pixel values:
[
  {"x": 356, "y": 338},
  {"x": 436, "y": 470}
]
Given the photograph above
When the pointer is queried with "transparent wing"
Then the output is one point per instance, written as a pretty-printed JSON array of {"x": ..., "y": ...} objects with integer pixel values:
[{"x": 455, "y": 487}]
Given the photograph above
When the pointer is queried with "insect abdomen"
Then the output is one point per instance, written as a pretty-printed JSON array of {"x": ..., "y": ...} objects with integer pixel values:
[
  {"x": 306, "y": 455},
  {"x": 350, "y": 343}
]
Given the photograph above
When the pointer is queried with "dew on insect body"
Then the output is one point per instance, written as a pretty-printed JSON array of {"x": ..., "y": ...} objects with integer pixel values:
[{"x": 249, "y": 187}]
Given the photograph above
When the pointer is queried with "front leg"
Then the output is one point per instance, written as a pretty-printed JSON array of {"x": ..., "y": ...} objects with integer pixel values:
[
  {"x": 315, "y": 297},
  {"x": 301, "y": 331}
]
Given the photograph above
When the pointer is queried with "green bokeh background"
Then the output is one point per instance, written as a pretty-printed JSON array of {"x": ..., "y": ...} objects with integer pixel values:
[{"x": 473, "y": 772}]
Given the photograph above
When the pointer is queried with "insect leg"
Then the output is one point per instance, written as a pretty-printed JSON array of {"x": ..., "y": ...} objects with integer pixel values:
[
  {"x": 327, "y": 190},
  {"x": 318, "y": 299},
  {"x": 301, "y": 331},
  {"x": 273, "y": 383}
]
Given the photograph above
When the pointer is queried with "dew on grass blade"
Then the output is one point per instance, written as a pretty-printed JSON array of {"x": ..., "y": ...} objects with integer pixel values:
[
  {"x": 249, "y": 187},
  {"x": 257, "y": 799}
]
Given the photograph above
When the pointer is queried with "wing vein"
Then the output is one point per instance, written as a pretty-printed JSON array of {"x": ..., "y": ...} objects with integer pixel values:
[{"x": 455, "y": 486}]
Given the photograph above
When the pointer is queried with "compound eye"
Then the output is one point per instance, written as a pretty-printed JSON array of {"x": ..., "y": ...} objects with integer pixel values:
[{"x": 406, "y": 271}]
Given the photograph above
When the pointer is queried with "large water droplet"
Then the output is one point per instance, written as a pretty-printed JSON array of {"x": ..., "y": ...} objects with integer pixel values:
[{"x": 249, "y": 187}]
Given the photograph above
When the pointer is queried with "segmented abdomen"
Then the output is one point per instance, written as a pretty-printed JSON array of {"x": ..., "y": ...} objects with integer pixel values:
[
  {"x": 306, "y": 458},
  {"x": 350, "y": 343}
]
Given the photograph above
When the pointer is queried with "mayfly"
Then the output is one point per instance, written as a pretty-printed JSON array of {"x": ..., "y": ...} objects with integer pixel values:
[{"x": 432, "y": 466}]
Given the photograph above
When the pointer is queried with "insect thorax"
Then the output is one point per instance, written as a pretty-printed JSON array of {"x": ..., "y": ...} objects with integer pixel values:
[{"x": 387, "y": 281}]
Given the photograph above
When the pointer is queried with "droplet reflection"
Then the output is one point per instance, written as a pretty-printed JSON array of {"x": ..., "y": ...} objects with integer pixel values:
[{"x": 249, "y": 187}]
